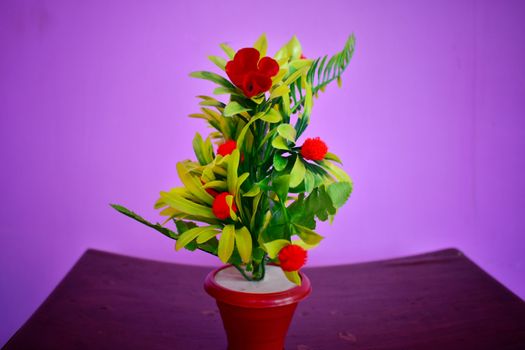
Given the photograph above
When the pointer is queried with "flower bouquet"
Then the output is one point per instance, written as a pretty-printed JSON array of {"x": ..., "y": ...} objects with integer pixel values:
[
  {"x": 257, "y": 195},
  {"x": 254, "y": 197}
]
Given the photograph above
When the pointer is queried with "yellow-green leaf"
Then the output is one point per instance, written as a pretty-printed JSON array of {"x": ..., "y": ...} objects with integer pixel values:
[
  {"x": 282, "y": 72},
  {"x": 308, "y": 236},
  {"x": 303, "y": 244},
  {"x": 339, "y": 173},
  {"x": 226, "y": 243},
  {"x": 240, "y": 181},
  {"x": 274, "y": 247},
  {"x": 298, "y": 172},
  {"x": 279, "y": 91},
  {"x": 233, "y": 165},
  {"x": 202, "y": 152},
  {"x": 234, "y": 108},
  {"x": 189, "y": 235},
  {"x": 299, "y": 64},
  {"x": 287, "y": 131},
  {"x": 255, "y": 190},
  {"x": 255, "y": 205},
  {"x": 176, "y": 201},
  {"x": 280, "y": 143},
  {"x": 228, "y": 50},
  {"x": 295, "y": 75},
  {"x": 332, "y": 157},
  {"x": 229, "y": 200},
  {"x": 294, "y": 48},
  {"x": 258, "y": 99},
  {"x": 261, "y": 45},
  {"x": 205, "y": 236},
  {"x": 218, "y": 61},
  {"x": 243, "y": 241},
  {"x": 193, "y": 184},
  {"x": 240, "y": 139},
  {"x": 286, "y": 104},
  {"x": 272, "y": 116},
  {"x": 293, "y": 276},
  {"x": 308, "y": 100}
]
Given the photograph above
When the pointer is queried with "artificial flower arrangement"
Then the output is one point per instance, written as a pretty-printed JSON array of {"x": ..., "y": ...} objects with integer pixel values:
[{"x": 254, "y": 198}]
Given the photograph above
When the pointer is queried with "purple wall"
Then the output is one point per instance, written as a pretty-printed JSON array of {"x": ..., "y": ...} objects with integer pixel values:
[{"x": 94, "y": 97}]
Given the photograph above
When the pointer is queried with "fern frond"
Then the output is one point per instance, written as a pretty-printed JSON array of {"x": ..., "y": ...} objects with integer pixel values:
[{"x": 322, "y": 72}]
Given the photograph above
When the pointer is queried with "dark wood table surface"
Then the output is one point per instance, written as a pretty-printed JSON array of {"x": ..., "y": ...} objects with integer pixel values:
[{"x": 439, "y": 300}]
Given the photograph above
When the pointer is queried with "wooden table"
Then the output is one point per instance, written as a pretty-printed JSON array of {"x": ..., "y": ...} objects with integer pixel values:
[{"x": 439, "y": 300}]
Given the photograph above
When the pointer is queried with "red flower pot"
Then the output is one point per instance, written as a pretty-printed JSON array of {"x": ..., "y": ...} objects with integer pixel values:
[{"x": 256, "y": 321}]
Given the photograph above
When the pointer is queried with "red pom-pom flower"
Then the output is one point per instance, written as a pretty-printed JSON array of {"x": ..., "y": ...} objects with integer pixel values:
[
  {"x": 292, "y": 257},
  {"x": 227, "y": 148},
  {"x": 314, "y": 149},
  {"x": 251, "y": 75},
  {"x": 220, "y": 207}
]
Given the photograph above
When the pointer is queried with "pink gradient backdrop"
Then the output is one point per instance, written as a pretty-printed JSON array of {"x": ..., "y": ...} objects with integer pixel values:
[{"x": 94, "y": 98}]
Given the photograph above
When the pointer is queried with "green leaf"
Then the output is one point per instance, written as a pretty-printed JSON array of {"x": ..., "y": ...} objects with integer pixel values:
[
  {"x": 309, "y": 182},
  {"x": 339, "y": 193},
  {"x": 226, "y": 243},
  {"x": 218, "y": 61},
  {"x": 308, "y": 236},
  {"x": 166, "y": 232},
  {"x": 274, "y": 247},
  {"x": 280, "y": 186},
  {"x": 242, "y": 134},
  {"x": 243, "y": 241},
  {"x": 287, "y": 131},
  {"x": 261, "y": 45},
  {"x": 293, "y": 276},
  {"x": 322, "y": 72},
  {"x": 279, "y": 162},
  {"x": 228, "y": 50},
  {"x": 234, "y": 108},
  {"x": 183, "y": 226},
  {"x": 272, "y": 116},
  {"x": 188, "y": 236},
  {"x": 297, "y": 173},
  {"x": 216, "y": 78},
  {"x": 258, "y": 254},
  {"x": 280, "y": 143}
]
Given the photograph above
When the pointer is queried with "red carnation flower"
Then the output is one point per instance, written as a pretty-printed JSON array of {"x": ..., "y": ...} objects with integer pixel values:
[
  {"x": 227, "y": 148},
  {"x": 292, "y": 257},
  {"x": 220, "y": 208},
  {"x": 251, "y": 75},
  {"x": 314, "y": 149}
]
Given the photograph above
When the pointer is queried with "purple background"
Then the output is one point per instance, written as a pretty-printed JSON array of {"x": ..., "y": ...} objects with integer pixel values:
[{"x": 94, "y": 98}]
